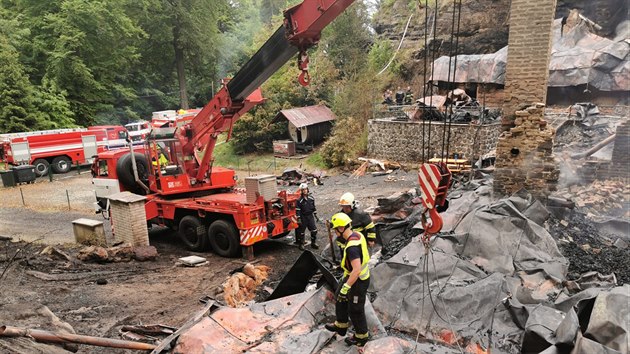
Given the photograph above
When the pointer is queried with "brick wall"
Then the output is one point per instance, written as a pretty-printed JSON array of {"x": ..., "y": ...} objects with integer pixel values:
[
  {"x": 129, "y": 222},
  {"x": 618, "y": 168},
  {"x": 525, "y": 156},
  {"x": 491, "y": 95},
  {"x": 529, "y": 46},
  {"x": 402, "y": 140}
]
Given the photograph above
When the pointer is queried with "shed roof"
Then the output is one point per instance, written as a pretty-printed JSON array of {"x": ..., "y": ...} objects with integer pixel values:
[{"x": 305, "y": 116}]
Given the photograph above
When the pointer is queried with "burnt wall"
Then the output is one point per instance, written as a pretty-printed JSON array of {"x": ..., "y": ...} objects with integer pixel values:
[{"x": 402, "y": 140}]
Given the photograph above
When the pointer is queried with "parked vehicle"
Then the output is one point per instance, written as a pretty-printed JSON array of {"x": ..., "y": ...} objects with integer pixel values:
[
  {"x": 138, "y": 131},
  {"x": 61, "y": 148}
]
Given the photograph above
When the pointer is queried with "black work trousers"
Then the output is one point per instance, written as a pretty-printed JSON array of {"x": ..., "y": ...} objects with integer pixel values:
[
  {"x": 355, "y": 306},
  {"x": 306, "y": 221}
]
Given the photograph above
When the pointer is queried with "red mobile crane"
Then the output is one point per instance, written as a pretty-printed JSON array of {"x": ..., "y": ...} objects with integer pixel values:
[{"x": 187, "y": 192}]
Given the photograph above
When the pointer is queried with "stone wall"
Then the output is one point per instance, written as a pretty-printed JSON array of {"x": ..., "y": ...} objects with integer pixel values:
[
  {"x": 402, "y": 140},
  {"x": 525, "y": 156},
  {"x": 529, "y": 47}
]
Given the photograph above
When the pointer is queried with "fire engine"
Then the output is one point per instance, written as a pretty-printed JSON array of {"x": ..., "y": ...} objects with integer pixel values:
[
  {"x": 164, "y": 119},
  {"x": 175, "y": 171},
  {"x": 61, "y": 148}
]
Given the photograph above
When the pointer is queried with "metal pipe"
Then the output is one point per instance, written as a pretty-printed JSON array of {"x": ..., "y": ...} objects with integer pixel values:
[
  {"x": 135, "y": 169},
  {"x": 56, "y": 337}
]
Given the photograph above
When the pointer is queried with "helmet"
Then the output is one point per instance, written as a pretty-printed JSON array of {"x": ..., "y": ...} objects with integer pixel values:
[
  {"x": 303, "y": 186},
  {"x": 340, "y": 219},
  {"x": 347, "y": 199}
]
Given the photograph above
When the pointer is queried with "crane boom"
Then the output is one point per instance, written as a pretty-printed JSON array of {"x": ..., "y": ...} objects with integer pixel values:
[{"x": 301, "y": 30}]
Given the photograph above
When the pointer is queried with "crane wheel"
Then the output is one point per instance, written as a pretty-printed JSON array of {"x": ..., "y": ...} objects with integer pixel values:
[
  {"x": 224, "y": 238},
  {"x": 193, "y": 233}
]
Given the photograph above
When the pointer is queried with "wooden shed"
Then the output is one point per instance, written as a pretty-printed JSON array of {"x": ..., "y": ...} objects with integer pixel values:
[{"x": 308, "y": 125}]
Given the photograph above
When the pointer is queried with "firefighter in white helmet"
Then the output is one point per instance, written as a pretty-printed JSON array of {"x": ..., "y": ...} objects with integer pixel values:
[
  {"x": 306, "y": 213},
  {"x": 361, "y": 221}
]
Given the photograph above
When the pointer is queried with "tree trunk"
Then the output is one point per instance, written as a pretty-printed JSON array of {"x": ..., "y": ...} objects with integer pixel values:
[{"x": 179, "y": 64}]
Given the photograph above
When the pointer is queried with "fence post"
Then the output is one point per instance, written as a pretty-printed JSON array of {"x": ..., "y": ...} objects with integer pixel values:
[
  {"x": 22, "y": 194},
  {"x": 78, "y": 168},
  {"x": 68, "y": 198},
  {"x": 50, "y": 174}
]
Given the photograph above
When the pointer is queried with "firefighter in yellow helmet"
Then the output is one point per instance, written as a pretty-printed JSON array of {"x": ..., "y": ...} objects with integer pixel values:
[
  {"x": 352, "y": 290},
  {"x": 361, "y": 221},
  {"x": 162, "y": 160}
]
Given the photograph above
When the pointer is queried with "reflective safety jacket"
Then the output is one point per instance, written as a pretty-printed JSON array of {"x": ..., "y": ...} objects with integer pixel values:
[
  {"x": 361, "y": 222},
  {"x": 162, "y": 159},
  {"x": 356, "y": 239}
]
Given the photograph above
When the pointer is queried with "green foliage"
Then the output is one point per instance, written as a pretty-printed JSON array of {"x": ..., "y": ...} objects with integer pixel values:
[
  {"x": 16, "y": 92},
  {"x": 316, "y": 160},
  {"x": 52, "y": 108},
  {"x": 255, "y": 132}
]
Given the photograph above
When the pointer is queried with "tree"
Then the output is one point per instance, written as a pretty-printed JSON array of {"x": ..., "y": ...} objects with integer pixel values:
[{"x": 16, "y": 92}]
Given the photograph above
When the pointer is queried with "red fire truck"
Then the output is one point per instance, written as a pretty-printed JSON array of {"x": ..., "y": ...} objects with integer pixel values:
[
  {"x": 61, "y": 148},
  {"x": 174, "y": 168}
]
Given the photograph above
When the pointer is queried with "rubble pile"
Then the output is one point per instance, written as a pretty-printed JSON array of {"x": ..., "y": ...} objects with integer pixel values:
[
  {"x": 121, "y": 253},
  {"x": 296, "y": 176},
  {"x": 600, "y": 198},
  {"x": 240, "y": 288},
  {"x": 575, "y": 136},
  {"x": 588, "y": 249}
]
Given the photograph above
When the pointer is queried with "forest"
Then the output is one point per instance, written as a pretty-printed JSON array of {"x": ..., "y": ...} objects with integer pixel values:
[{"x": 70, "y": 63}]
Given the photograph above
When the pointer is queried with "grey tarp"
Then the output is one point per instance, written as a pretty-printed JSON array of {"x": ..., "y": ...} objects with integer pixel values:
[
  {"x": 578, "y": 57},
  {"x": 498, "y": 269},
  {"x": 472, "y": 273},
  {"x": 479, "y": 68}
]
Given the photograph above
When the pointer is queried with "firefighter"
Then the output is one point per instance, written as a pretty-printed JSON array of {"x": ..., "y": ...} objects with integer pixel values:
[
  {"x": 361, "y": 221},
  {"x": 352, "y": 289},
  {"x": 306, "y": 213},
  {"x": 162, "y": 160}
]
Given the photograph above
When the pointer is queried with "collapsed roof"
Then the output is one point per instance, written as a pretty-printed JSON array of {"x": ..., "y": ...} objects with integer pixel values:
[{"x": 578, "y": 57}]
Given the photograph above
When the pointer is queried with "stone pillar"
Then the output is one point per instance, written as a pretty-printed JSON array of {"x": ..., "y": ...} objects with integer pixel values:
[
  {"x": 525, "y": 156},
  {"x": 129, "y": 222},
  {"x": 529, "y": 47}
]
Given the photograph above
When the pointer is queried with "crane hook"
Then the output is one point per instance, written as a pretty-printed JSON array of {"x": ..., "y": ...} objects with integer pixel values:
[{"x": 433, "y": 224}]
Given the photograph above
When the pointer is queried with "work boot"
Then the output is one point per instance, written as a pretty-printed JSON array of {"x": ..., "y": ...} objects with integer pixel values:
[
  {"x": 301, "y": 246},
  {"x": 314, "y": 245},
  {"x": 339, "y": 330},
  {"x": 354, "y": 340}
]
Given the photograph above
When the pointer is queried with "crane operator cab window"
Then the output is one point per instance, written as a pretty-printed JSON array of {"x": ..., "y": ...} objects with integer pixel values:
[{"x": 164, "y": 157}]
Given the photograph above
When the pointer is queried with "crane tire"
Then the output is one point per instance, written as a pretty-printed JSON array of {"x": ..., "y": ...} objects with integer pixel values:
[
  {"x": 124, "y": 171},
  {"x": 224, "y": 238}
]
